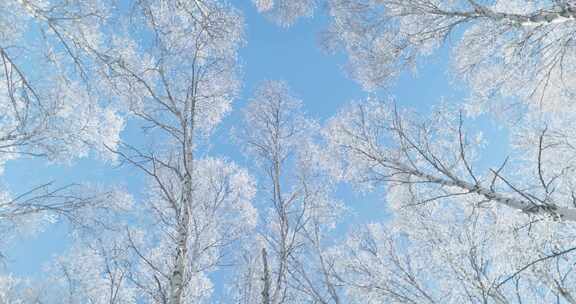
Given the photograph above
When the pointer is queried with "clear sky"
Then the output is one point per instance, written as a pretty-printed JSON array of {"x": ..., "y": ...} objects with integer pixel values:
[{"x": 289, "y": 54}]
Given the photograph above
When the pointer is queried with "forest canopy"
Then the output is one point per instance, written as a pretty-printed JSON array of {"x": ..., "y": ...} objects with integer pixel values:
[{"x": 146, "y": 88}]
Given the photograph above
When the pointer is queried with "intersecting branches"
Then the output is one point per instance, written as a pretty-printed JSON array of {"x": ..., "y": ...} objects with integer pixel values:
[{"x": 392, "y": 148}]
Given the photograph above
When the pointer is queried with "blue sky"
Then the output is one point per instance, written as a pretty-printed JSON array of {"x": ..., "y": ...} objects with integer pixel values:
[{"x": 271, "y": 52}]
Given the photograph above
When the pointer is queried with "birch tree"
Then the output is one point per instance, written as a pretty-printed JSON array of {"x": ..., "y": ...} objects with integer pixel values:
[
  {"x": 509, "y": 53},
  {"x": 443, "y": 253},
  {"x": 220, "y": 216},
  {"x": 50, "y": 110},
  {"x": 512, "y": 225},
  {"x": 288, "y": 264},
  {"x": 518, "y": 51},
  {"x": 179, "y": 87}
]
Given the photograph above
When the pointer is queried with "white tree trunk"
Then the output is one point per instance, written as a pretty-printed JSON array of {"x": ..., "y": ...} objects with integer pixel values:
[{"x": 551, "y": 209}]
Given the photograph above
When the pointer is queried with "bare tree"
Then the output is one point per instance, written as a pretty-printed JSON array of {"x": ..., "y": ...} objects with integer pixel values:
[
  {"x": 509, "y": 52},
  {"x": 179, "y": 93},
  {"x": 301, "y": 210},
  {"x": 48, "y": 110},
  {"x": 444, "y": 205},
  {"x": 508, "y": 48}
]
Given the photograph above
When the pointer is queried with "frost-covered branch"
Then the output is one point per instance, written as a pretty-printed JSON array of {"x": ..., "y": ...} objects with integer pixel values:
[
  {"x": 300, "y": 211},
  {"x": 178, "y": 90},
  {"x": 521, "y": 49},
  {"x": 378, "y": 144}
]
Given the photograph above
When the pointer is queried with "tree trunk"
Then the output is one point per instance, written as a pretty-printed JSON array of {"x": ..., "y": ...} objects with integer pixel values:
[{"x": 265, "y": 279}]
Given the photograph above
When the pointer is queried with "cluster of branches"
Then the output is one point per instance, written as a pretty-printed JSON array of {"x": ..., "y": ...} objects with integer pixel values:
[{"x": 458, "y": 233}]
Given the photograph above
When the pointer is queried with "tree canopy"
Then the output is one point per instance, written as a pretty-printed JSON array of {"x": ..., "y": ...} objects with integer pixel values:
[{"x": 145, "y": 84}]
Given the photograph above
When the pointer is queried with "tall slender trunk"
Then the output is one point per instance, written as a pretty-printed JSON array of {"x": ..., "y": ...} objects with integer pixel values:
[
  {"x": 265, "y": 279},
  {"x": 178, "y": 273},
  {"x": 177, "y": 277}
]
